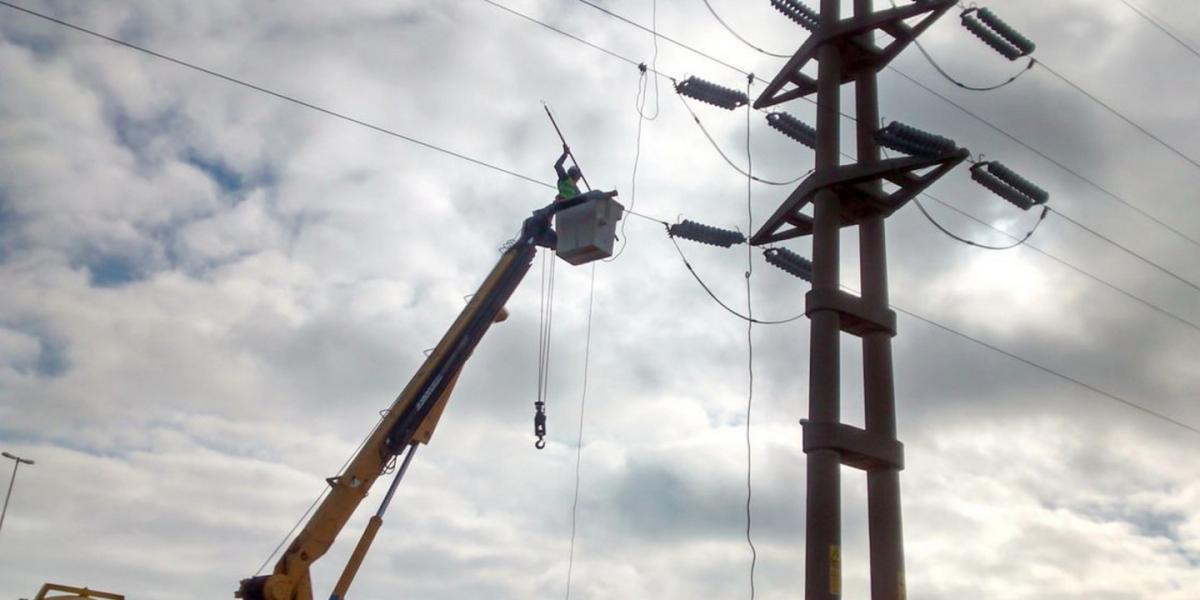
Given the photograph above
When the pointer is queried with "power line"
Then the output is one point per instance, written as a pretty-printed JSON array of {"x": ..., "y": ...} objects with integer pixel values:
[
  {"x": 1165, "y": 270},
  {"x": 712, "y": 295},
  {"x": 728, "y": 160},
  {"x": 678, "y": 43},
  {"x": 1161, "y": 27},
  {"x": 686, "y": 263},
  {"x": 640, "y": 104},
  {"x": 1024, "y": 240},
  {"x": 742, "y": 40},
  {"x": 955, "y": 81},
  {"x": 1047, "y": 157},
  {"x": 961, "y": 108},
  {"x": 587, "y": 353},
  {"x": 987, "y": 345},
  {"x": 654, "y": 32},
  {"x": 1120, "y": 115},
  {"x": 562, "y": 32},
  {"x": 926, "y": 88},
  {"x": 954, "y": 236},
  {"x": 1050, "y": 371},
  {"x": 1081, "y": 271},
  {"x": 279, "y": 95}
]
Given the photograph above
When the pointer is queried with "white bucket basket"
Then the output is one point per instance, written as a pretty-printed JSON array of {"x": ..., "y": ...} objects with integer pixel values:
[{"x": 586, "y": 232}]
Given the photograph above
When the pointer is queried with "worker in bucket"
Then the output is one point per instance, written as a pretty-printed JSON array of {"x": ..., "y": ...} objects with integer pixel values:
[{"x": 568, "y": 181}]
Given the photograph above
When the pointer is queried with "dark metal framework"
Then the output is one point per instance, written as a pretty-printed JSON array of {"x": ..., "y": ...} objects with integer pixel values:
[{"x": 842, "y": 196}]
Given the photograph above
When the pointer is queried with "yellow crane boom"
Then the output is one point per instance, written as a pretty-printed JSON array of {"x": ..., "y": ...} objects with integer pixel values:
[{"x": 410, "y": 420}]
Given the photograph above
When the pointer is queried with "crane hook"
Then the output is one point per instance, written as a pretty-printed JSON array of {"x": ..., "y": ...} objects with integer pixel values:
[{"x": 539, "y": 424}]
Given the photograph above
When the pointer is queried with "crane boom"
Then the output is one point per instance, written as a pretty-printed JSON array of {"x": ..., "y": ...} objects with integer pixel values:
[{"x": 411, "y": 417}]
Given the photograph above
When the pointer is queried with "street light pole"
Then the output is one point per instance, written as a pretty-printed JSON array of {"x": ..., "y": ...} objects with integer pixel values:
[{"x": 17, "y": 460}]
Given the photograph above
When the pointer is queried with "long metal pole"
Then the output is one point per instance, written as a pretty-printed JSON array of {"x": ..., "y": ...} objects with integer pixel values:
[
  {"x": 823, "y": 558},
  {"x": 886, "y": 541},
  {"x": 11, "y": 481},
  {"x": 564, "y": 141}
]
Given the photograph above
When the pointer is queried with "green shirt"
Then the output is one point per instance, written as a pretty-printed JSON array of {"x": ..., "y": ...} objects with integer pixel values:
[{"x": 567, "y": 188}]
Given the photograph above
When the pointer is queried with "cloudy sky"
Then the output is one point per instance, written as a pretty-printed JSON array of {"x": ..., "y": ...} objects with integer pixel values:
[{"x": 209, "y": 293}]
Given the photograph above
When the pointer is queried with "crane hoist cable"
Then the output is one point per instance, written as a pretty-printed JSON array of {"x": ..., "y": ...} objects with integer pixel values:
[{"x": 545, "y": 328}]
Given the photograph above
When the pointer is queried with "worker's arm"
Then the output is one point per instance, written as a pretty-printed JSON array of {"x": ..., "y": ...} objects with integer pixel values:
[{"x": 558, "y": 166}]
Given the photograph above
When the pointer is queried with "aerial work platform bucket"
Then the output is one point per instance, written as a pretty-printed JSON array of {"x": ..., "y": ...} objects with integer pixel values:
[{"x": 586, "y": 232}]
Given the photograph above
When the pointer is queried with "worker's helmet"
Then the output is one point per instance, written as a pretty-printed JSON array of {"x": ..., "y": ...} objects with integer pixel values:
[{"x": 574, "y": 173}]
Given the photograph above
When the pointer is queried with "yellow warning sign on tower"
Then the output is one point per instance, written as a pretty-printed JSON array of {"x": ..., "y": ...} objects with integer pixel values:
[{"x": 835, "y": 570}]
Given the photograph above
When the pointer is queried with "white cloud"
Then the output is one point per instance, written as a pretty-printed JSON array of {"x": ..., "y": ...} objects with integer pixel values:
[{"x": 208, "y": 293}]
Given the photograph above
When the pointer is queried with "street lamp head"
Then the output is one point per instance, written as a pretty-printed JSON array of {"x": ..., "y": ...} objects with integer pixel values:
[{"x": 17, "y": 458}]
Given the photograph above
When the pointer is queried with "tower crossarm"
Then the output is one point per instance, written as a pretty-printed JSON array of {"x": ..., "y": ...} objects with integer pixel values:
[
  {"x": 859, "y": 51},
  {"x": 860, "y": 197}
]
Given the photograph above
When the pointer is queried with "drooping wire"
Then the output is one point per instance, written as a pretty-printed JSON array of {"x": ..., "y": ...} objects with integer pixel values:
[
  {"x": 729, "y": 161},
  {"x": 640, "y": 105},
  {"x": 643, "y": 83},
  {"x": 749, "y": 338},
  {"x": 942, "y": 97},
  {"x": 978, "y": 341},
  {"x": 637, "y": 156},
  {"x": 587, "y": 352},
  {"x": 1028, "y": 67},
  {"x": 956, "y": 237},
  {"x": 1048, "y": 158},
  {"x": 955, "y": 81},
  {"x": 544, "y": 184},
  {"x": 717, "y": 299},
  {"x": 1020, "y": 242},
  {"x": 478, "y": 162},
  {"x": 1095, "y": 278},
  {"x": 910, "y": 79},
  {"x": 739, "y": 37}
]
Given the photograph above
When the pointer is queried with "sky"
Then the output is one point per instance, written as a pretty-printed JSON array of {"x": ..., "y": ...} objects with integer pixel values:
[{"x": 209, "y": 293}]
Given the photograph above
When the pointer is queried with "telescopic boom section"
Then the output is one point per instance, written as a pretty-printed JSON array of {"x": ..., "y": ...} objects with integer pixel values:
[{"x": 410, "y": 419}]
